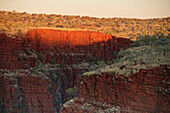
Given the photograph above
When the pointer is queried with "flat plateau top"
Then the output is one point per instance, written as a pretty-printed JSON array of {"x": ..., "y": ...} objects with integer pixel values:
[{"x": 64, "y": 29}]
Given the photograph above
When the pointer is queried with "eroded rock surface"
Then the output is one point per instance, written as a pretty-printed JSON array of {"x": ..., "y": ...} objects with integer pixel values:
[
  {"x": 54, "y": 46},
  {"x": 146, "y": 91},
  {"x": 25, "y": 94},
  {"x": 37, "y": 68}
]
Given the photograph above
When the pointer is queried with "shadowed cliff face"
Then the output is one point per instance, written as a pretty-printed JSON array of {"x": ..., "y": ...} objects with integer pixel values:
[
  {"x": 25, "y": 94},
  {"x": 38, "y": 67}
]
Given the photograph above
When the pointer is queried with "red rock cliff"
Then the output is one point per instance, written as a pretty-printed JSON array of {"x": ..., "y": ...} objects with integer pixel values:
[
  {"x": 25, "y": 92},
  {"x": 60, "y": 46},
  {"x": 144, "y": 92}
]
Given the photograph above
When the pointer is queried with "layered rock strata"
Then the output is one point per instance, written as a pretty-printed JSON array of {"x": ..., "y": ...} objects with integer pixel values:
[
  {"x": 37, "y": 68},
  {"x": 146, "y": 91},
  {"x": 55, "y": 46},
  {"x": 25, "y": 94}
]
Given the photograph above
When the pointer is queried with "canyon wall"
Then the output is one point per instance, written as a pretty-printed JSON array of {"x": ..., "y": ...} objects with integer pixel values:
[
  {"x": 25, "y": 94},
  {"x": 37, "y": 68},
  {"x": 25, "y": 91},
  {"x": 57, "y": 46},
  {"x": 145, "y": 92}
]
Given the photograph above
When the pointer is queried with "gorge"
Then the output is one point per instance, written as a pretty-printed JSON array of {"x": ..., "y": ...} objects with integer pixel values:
[{"x": 38, "y": 68}]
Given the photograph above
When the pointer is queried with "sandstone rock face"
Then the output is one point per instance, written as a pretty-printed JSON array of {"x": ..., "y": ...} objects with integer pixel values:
[
  {"x": 147, "y": 91},
  {"x": 54, "y": 53},
  {"x": 23, "y": 91},
  {"x": 25, "y": 94},
  {"x": 57, "y": 46}
]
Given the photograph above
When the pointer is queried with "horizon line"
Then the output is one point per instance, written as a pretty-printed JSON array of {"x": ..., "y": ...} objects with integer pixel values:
[{"x": 87, "y": 15}]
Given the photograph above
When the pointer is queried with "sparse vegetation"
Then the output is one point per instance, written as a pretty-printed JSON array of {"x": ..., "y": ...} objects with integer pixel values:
[
  {"x": 151, "y": 49},
  {"x": 72, "y": 92},
  {"x": 107, "y": 62},
  {"x": 26, "y": 51},
  {"x": 44, "y": 51},
  {"x": 14, "y": 22},
  {"x": 149, "y": 52},
  {"x": 40, "y": 56}
]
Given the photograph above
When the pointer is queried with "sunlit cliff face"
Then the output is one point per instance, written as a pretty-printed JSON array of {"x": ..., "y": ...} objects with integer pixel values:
[
  {"x": 73, "y": 38},
  {"x": 57, "y": 45}
]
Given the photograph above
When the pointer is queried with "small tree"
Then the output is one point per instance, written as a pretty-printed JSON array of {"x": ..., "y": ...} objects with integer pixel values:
[{"x": 72, "y": 92}]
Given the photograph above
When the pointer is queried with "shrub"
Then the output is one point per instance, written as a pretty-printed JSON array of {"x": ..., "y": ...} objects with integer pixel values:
[
  {"x": 108, "y": 62},
  {"x": 149, "y": 40},
  {"x": 44, "y": 51},
  {"x": 60, "y": 26},
  {"x": 72, "y": 91},
  {"x": 40, "y": 56},
  {"x": 75, "y": 89},
  {"x": 26, "y": 51}
]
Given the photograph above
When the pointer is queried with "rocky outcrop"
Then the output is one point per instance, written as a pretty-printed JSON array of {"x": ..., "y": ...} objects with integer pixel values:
[
  {"x": 55, "y": 46},
  {"x": 37, "y": 68},
  {"x": 146, "y": 91}
]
